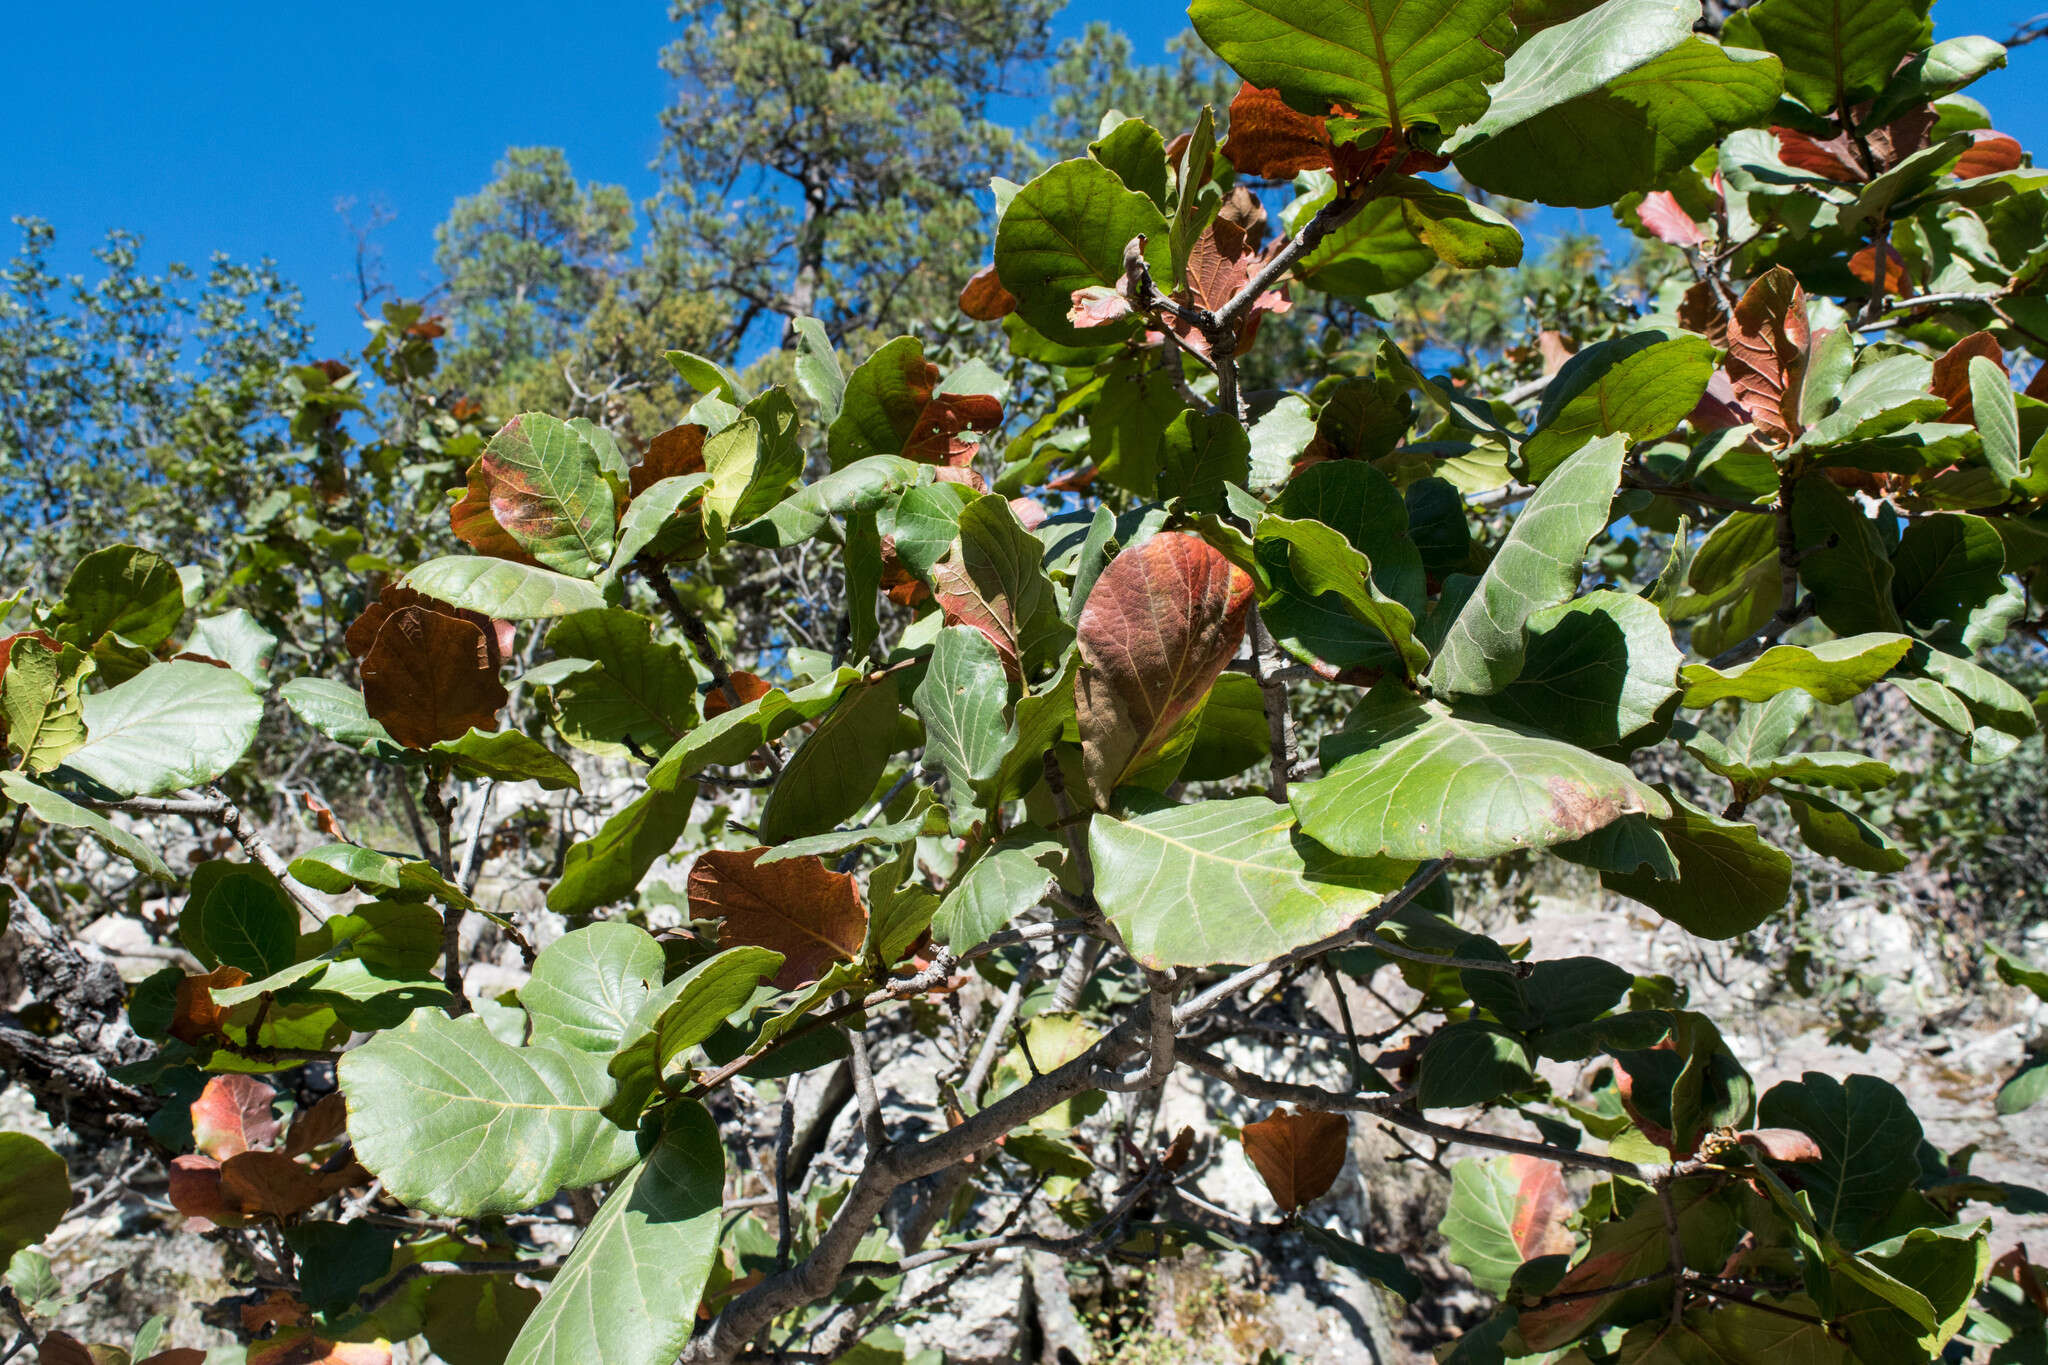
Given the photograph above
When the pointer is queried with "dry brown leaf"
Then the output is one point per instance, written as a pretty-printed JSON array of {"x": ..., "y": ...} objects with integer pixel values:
[
  {"x": 431, "y": 676},
  {"x": 197, "y": 1019},
  {"x": 674, "y": 453},
  {"x": 1863, "y": 265},
  {"x": 1158, "y": 627},
  {"x": 1273, "y": 141},
  {"x": 749, "y": 688},
  {"x": 316, "y": 1127},
  {"x": 474, "y": 523},
  {"x": 1951, "y": 380},
  {"x": 1767, "y": 353},
  {"x": 984, "y": 299},
  {"x": 799, "y": 907},
  {"x": 362, "y": 633},
  {"x": 1298, "y": 1153}
]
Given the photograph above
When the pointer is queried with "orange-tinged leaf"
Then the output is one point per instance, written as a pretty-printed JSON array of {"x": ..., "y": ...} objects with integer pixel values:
[
  {"x": 309, "y": 1348},
  {"x": 749, "y": 688},
  {"x": 195, "y": 1190},
  {"x": 1699, "y": 311},
  {"x": 430, "y": 677},
  {"x": 1863, "y": 265},
  {"x": 1952, "y": 375},
  {"x": 799, "y": 907},
  {"x": 1835, "y": 158},
  {"x": 278, "y": 1309},
  {"x": 984, "y": 299},
  {"x": 273, "y": 1183},
  {"x": 1767, "y": 353},
  {"x": 1993, "y": 154},
  {"x": 177, "y": 1355},
  {"x": 1782, "y": 1144},
  {"x": 232, "y": 1115},
  {"x": 677, "y": 451},
  {"x": 1552, "y": 1326},
  {"x": 196, "y": 1018},
  {"x": 317, "y": 1126},
  {"x": 1541, "y": 1207},
  {"x": 1298, "y": 1153},
  {"x": 1272, "y": 140},
  {"x": 362, "y": 633},
  {"x": 1668, "y": 221},
  {"x": 473, "y": 522},
  {"x": 1158, "y": 627}
]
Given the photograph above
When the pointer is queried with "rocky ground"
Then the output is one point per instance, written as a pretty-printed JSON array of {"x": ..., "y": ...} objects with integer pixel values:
[{"x": 1947, "y": 1050}]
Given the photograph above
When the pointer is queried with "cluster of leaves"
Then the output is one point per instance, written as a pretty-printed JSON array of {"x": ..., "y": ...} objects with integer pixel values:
[{"x": 1063, "y": 730}]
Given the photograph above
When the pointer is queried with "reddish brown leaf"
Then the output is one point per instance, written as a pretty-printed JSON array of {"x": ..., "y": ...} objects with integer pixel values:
[
  {"x": 1782, "y": 1144},
  {"x": 1767, "y": 352},
  {"x": 278, "y": 1309},
  {"x": 1177, "y": 1154},
  {"x": 273, "y": 1183},
  {"x": 180, "y": 1355},
  {"x": 1546, "y": 1328},
  {"x": 1717, "y": 408},
  {"x": 363, "y": 632},
  {"x": 928, "y": 422},
  {"x": 1993, "y": 154},
  {"x": 799, "y": 907},
  {"x": 1158, "y": 627},
  {"x": 2037, "y": 387},
  {"x": 1097, "y": 305},
  {"x": 1030, "y": 512},
  {"x": 984, "y": 299},
  {"x": 1220, "y": 264},
  {"x": 1835, "y": 158},
  {"x": 318, "y": 1126},
  {"x": 1298, "y": 1153},
  {"x": 1863, "y": 265},
  {"x": 2033, "y": 1282},
  {"x": 61, "y": 1348},
  {"x": 427, "y": 329},
  {"x": 430, "y": 676},
  {"x": 233, "y": 1115},
  {"x": 1668, "y": 221},
  {"x": 324, "y": 818},
  {"x": 1903, "y": 136},
  {"x": 1247, "y": 211},
  {"x": 197, "y": 1019},
  {"x": 1541, "y": 1207},
  {"x": 308, "y": 1348},
  {"x": 1272, "y": 141},
  {"x": 1554, "y": 349},
  {"x": 964, "y": 475},
  {"x": 195, "y": 1190},
  {"x": 677, "y": 451},
  {"x": 42, "y": 637},
  {"x": 1952, "y": 374},
  {"x": 749, "y": 688},
  {"x": 473, "y": 522},
  {"x": 1700, "y": 311}
]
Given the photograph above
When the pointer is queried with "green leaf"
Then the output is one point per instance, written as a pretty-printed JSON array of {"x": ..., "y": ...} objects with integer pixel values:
[
  {"x": 835, "y": 773},
  {"x": 706, "y": 376},
  {"x": 995, "y": 581},
  {"x": 628, "y": 1293},
  {"x": 455, "y": 1122},
  {"x": 1729, "y": 880},
  {"x": 1837, "y": 53},
  {"x": 1599, "y": 671},
  {"x": 608, "y": 866},
  {"x": 337, "y": 1259},
  {"x": 1739, "y": 761},
  {"x": 1868, "y": 1139},
  {"x": 1616, "y": 100},
  {"x": 1354, "y": 497},
  {"x": 1479, "y": 1225},
  {"x": 239, "y": 916},
  {"x": 817, "y": 368},
  {"x": 1391, "y": 64},
  {"x": 336, "y": 868},
  {"x": 1200, "y": 454},
  {"x": 1321, "y": 561},
  {"x": 35, "y": 1191},
  {"x": 659, "y": 506},
  {"x": 634, "y": 693},
  {"x": 1067, "y": 230},
  {"x": 2014, "y": 972},
  {"x": 1537, "y": 567},
  {"x": 1842, "y": 560},
  {"x": 2023, "y": 1090},
  {"x": 1416, "y": 780},
  {"x": 1227, "y": 882},
  {"x": 549, "y": 492},
  {"x": 1642, "y": 385},
  {"x": 1469, "y": 1063},
  {"x": 751, "y": 463},
  {"x": 1003, "y": 883},
  {"x": 52, "y": 809},
  {"x": 122, "y": 591},
  {"x": 588, "y": 986},
  {"x": 1998, "y": 419},
  {"x": 1832, "y": 672},
  {"x": 337, "y": 711},
  {"x": 1404, "y": 233},
  {"x": 1946, "y": 565},
  {"x": 676, "y": 1018},
  {"x": 1383, "y": 1267},
  {"x": 1558, "y": 994},
  {"x": 40, "y": 702},
  {"x": 173, "y": 725},
  {"x": 1836, "y": 832},
  {"x": 1999, "y": 713},
  {"x": 238, "y": 640},
  {"x": 923, "y": 817},
  {"x": 863, "y": 486},
  {"x": 1231, "y": 731},
  {"x": 509, "y": 756},
  {"x": 502, "y": 588},
  {"x": 1199, "y": 199},
  {"x": 1279, "y": 436},
  {"x": 1135, "y": 150},
  {"x": 1629, "y": 844},
  {"x": 961, "y": 702}
]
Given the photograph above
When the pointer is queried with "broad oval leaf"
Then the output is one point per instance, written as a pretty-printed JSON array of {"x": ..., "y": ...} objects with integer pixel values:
[
  {"x": 454, "y": 1121},
  {"x": 35, "y": 1190},
  {"x": 1227, "y": 882},
  {"x": 1729, "y": 880},
  {"x": 548, "y": 491},
  {"x": 1832, "y": 672},
  {"x": 798, "y": 907},
  {"x": 1600, "y": 671},
  {"x": 1067, "y": 230},
  {"x": 1158, "y": 627},
  {"x": 1416, "y": 780},
  {"x": 173, "y": 725},
  {"x": 1298, "y": 1153},
  {"x": 1834, "y": 51},
  {"x": 1643, "y": 385},
  {"x": 503, "y": 589},
  {"x": 1002, "y": 884},
  {"x": 628, "y": 1293},
  {"x": 588, "y": 986}
]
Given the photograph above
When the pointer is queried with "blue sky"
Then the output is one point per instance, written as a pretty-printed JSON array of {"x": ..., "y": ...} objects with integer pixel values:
[{"x": 208, "y": 125}]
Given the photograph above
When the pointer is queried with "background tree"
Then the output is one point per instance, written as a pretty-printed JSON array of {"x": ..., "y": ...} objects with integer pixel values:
[{"x": 830, "y": 158}]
